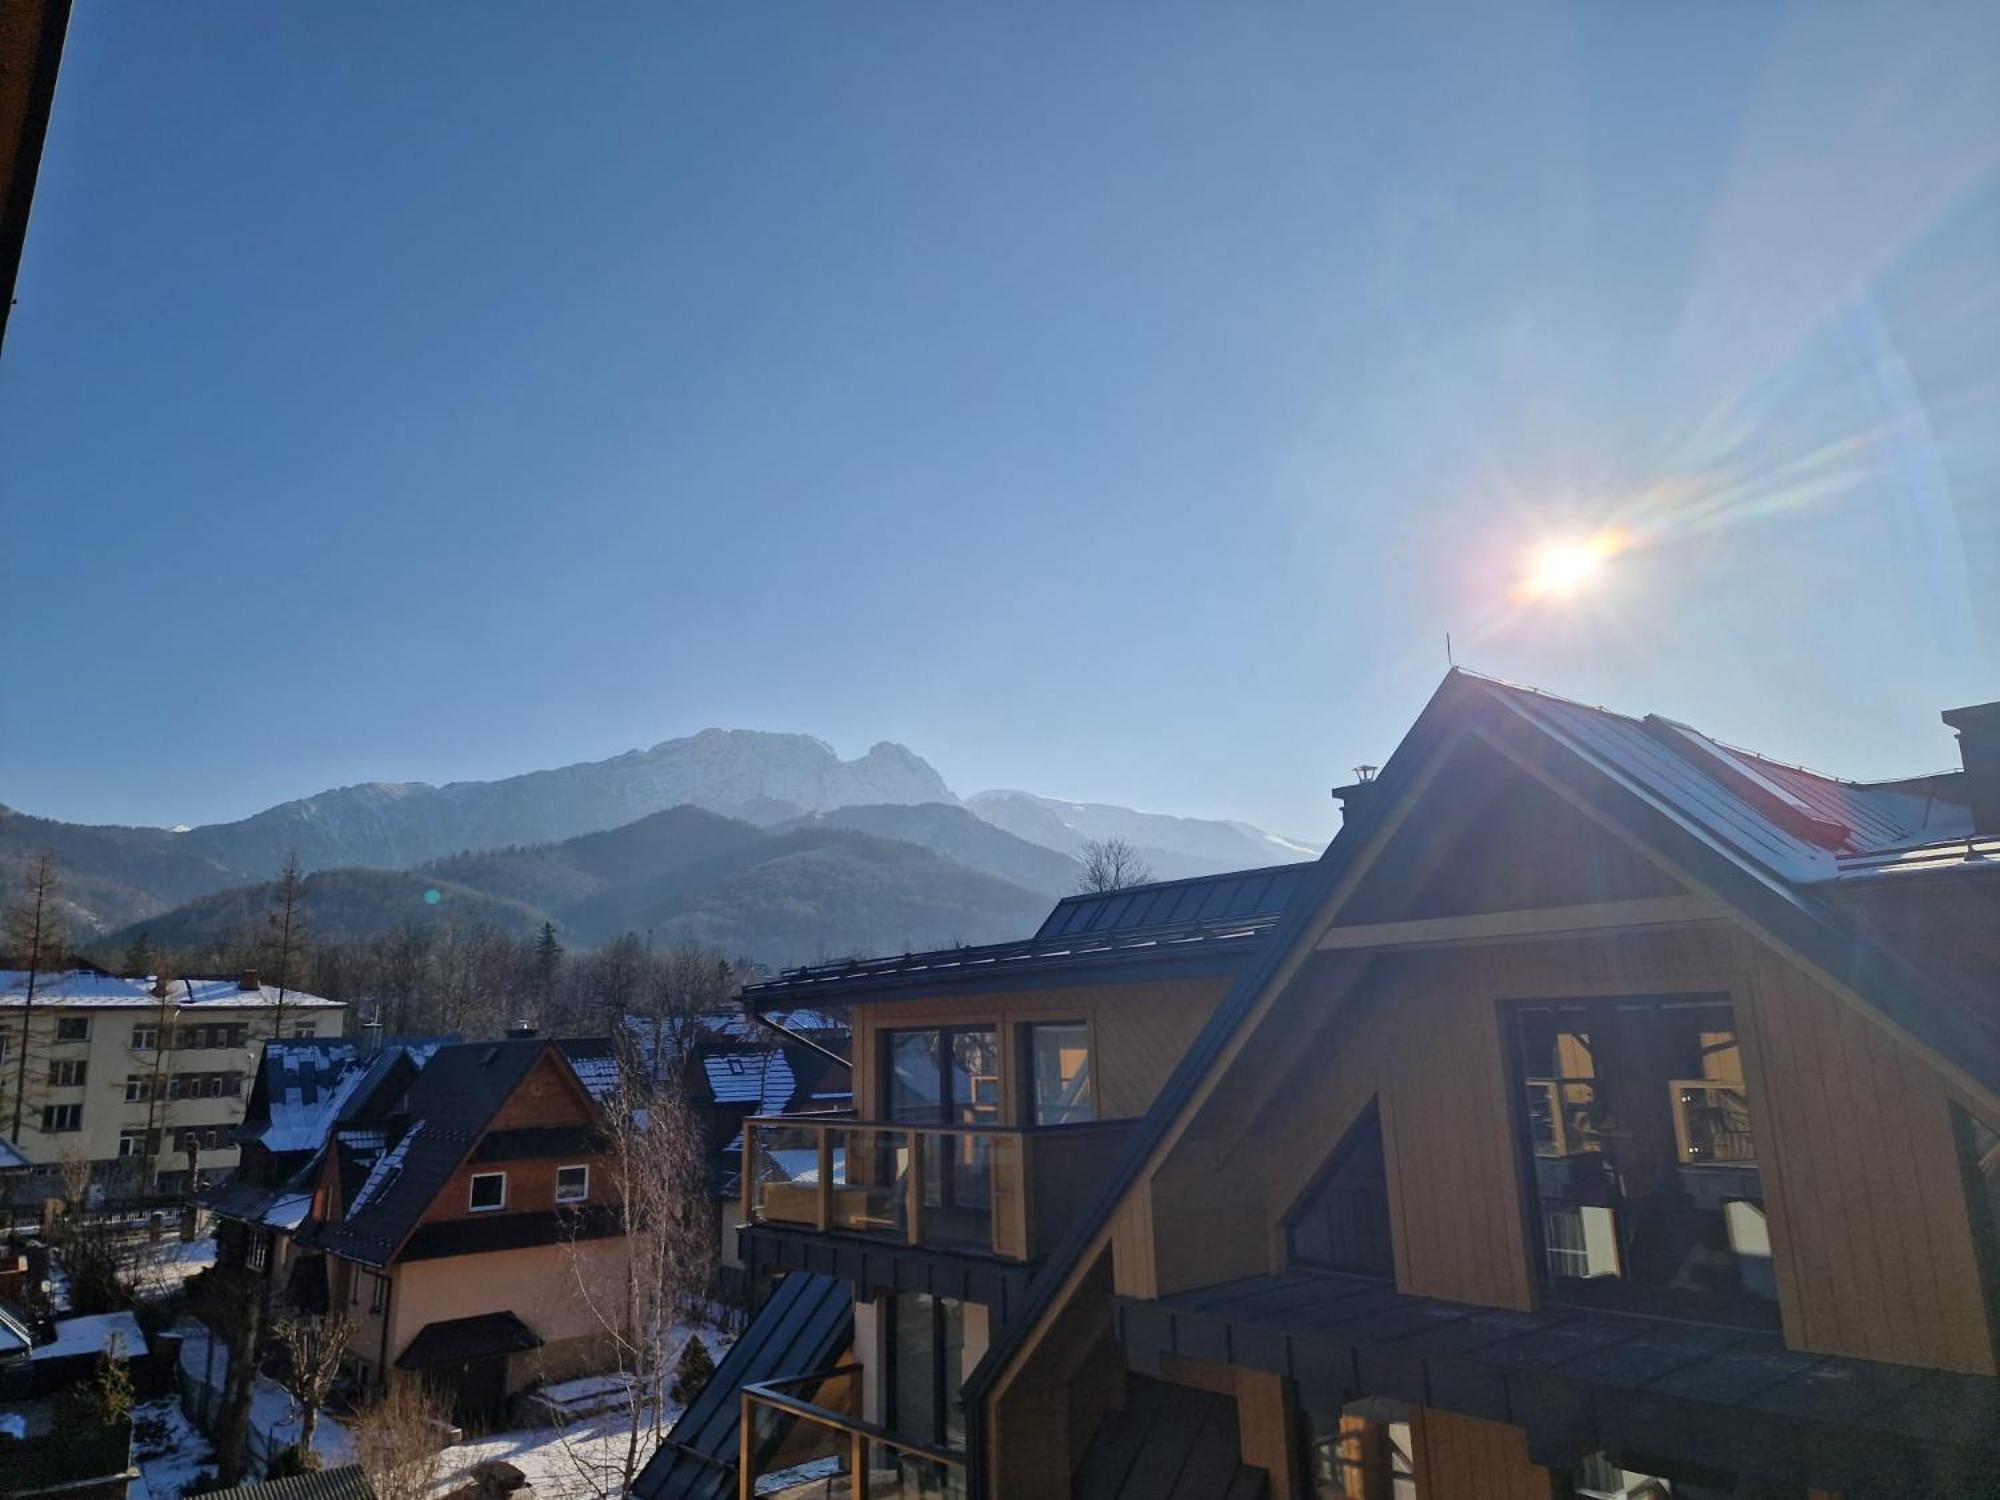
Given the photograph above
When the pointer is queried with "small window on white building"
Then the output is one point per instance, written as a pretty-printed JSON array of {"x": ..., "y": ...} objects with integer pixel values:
[
  {"x": 73, "y": 1028},
  {"x": 572, "y": 1184},
  {"x": 489, "y": 1191},
  {"x": 305, "y": 1029},
  {"x": 57, "y": 1118}
]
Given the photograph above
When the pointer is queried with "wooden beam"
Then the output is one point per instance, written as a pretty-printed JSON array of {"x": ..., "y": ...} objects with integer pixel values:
[{"x": 1533, "y": 922}]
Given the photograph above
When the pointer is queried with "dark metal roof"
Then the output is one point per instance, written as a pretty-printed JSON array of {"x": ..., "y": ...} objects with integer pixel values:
[
  {"x": 1168, "y": 1442},
  {"x": 458, "y": 1339},
  {"x": 1209, "y": 921},
  {"x": 1731, "y": 1398},
  {"x": 1175, "y": 903},
  {"x": 345, "y": 1483},
  {"x": 806, "y": 1324}
]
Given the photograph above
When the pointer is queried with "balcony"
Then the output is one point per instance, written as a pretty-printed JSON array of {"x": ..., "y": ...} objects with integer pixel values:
[
  {"x": 981, "y": 1190},
  {"x": 803, "y": 1438}
]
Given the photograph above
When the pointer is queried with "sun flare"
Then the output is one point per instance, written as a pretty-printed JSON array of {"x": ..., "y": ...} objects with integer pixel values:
[{"x": 1561, "y": 569}]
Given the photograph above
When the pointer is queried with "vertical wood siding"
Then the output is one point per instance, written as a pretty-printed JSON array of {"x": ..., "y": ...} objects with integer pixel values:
[{"x": 1463, "y": 1458}]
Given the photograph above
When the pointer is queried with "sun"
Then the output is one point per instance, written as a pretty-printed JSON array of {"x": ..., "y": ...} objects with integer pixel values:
[{"x": 1561, "y": 569}]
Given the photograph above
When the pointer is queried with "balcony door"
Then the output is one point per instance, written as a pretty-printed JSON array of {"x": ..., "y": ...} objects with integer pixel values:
[{"x": 949, "y": 1076}]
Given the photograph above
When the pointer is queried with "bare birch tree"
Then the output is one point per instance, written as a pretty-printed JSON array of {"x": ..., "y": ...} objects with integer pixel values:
[
  {"x": 1111, "y": 865},
  {"x": 655, "y": 1195},
  {"x": 314, "y": 1345},
  {"x": 34, "y": 940}
]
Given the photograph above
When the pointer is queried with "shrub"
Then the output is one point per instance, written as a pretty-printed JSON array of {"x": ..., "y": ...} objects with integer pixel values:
[{"x": 695, "y": 1370}]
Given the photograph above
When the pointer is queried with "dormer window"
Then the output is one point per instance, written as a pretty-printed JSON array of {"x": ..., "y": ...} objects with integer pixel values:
[{"x": 489, "y": 1191}]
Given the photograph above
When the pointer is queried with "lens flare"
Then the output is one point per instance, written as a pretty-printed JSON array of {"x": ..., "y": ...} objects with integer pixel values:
[{"x": 1561, "y": 569}]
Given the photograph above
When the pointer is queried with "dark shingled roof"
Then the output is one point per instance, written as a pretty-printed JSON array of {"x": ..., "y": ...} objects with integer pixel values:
[
  {"x": 540, "y": 1142},
  {"x": 347, "y": 1483},
  {"x": 449, "y": 1104},
  {"x": 458, "y": 1339}
]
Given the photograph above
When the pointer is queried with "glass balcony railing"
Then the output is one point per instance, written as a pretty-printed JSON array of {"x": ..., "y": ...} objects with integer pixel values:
[
  {"x": 982, "y": 1189},
  {"x": 804, "y": 1438}
]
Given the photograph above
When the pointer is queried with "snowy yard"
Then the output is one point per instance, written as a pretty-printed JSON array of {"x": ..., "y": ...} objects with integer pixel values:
[
  {"x": 156, "y": 1269},
  {"x": 274, "y": 1416}
]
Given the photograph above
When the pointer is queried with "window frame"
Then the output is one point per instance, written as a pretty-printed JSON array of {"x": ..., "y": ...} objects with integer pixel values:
[
  {"x": 71, "y": 1029},
  {"x": 68, "y": 1072},
  {"x": 578, "y": 1197},
  {"x": 51, "y": 1113},
  {"x": 472, "y": 1203},
  {"x": 1030, "y": 1100}
]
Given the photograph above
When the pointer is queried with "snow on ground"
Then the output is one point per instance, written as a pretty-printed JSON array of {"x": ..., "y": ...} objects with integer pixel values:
[
  {"x": 157, "y": 1270},
  {"x": 274, "y": 1416},
  {"x": 169, "y": 1451},
  {"x": 579, "y": 1460}
]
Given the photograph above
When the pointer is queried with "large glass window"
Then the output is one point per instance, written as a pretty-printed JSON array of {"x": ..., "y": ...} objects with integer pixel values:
[
  {"x": 1060, "y": 1089},
  {"x": 927, "y": 1368},
  {"x": 1645, "y": 1164},
  {"x": 1343, "y": 1224},
  {"x": 947, "y": 1078},
  {"x": 1361, "y": 1452}
]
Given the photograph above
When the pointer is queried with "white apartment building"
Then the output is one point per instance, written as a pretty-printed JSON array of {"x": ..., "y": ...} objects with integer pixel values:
[{"x": 140, "y": 1078}]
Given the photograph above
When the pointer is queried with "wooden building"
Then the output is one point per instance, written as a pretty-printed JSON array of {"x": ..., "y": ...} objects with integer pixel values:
[
  {"x": 1613, "y": 1113},
  {"x": 993, "y": 1088}
]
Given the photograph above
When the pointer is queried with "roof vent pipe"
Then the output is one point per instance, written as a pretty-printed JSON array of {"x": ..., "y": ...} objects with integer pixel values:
[{"x": 1979, "y": 748}]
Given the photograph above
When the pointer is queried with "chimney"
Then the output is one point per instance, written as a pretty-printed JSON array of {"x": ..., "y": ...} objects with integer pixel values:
[
  {"x": 248, "y": 983},
  {"x": 1356, "y": 795},
  {"x": 1979, "y": 747},
  {"x": 160, "y": 987},
  {"x": 521, "y": 1031}
]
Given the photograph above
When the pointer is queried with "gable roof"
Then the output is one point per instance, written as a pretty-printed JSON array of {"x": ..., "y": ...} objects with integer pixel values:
[
  {"x": 1207, "y": 923},
  {"x": 449, "y": 1105},
  {"x": 1703, "y": 814}
]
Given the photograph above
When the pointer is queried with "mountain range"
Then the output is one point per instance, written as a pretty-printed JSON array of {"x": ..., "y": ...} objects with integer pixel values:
[{"x": 872, "y": 852}]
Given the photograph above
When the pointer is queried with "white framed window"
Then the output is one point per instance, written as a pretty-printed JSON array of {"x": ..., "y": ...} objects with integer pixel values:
[
  {"x": 489, "y": 1191},
  {"x": 68, "y": 1073},
  {"x": 145, "y": 1038},
  {"x": 304, "y": 1030},
  {"x": 572, "y": 1184},
  {"x": 260, "y": 1252},
  {"x": 73, "y": 1028},
  {"x": 58, "y": 1118}
]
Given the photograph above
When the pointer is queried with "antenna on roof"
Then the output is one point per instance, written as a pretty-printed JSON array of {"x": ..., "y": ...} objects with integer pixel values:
[{"x": 1447, "y": 651}]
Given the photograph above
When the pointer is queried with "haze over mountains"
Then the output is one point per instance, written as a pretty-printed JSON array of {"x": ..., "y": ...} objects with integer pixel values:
[{"x": 789, "y": 825}]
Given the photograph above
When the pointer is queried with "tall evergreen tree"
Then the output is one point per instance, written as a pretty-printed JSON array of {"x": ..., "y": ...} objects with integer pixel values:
[{"x": 547, "y": 967}]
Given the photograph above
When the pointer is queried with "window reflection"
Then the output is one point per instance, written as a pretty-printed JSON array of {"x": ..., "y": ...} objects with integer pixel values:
[
  {"x": 1644, "y": 1156},
  {"x": 1060, "y": 1088}
]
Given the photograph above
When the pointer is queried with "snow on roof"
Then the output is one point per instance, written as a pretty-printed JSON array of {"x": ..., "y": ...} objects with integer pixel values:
[
  {"x": 12, "y": 1160},
  {"x": 115, "y": 1333},
  {"x": 300, "y": 1118},
  {"x": 763, "y": 1078},
  {"x": 288, "y": 1212},
  {"x": 89, "y": 989},
  {"x": 386, "y": 1170}
]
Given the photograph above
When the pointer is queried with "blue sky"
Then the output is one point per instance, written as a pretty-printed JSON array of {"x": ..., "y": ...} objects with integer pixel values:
[{"x": 1121, "y": 402}]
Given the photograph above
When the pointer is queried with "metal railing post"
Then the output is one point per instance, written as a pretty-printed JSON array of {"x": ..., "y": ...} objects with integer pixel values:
[{"x": 913, "y": 1190}]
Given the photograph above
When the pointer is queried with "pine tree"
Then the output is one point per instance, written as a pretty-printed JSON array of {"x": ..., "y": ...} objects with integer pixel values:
[
  {"x": 547, "y": 967},
  {"x": 695, "y": 1370},
  {"x": 285, "y": 938}
]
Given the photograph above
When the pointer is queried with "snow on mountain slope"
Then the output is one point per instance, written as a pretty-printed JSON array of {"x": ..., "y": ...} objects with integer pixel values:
[{"x": 1173, "y": 846}]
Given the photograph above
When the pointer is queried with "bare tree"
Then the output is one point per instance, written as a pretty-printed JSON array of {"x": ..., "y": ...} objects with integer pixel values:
[
  {"x": 314, "y": 1345},
  {"x": 400, "y": 1441},
  {"x": 1111, "y": 865},
  {"x": 285, "y": 944},
  {"x": 34, "y": 940},
  {"x": 642, "y": 1297}
]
